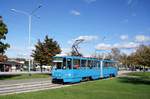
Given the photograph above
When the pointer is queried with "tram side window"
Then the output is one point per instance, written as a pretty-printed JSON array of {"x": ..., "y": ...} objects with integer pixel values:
[
  {"x": 99, "y": 64},
  {"x": 83, "y": 63},
  {"x": 90, "y": 64},
  {"x": 113, "y": 64},
  {"x": 94, "y": 63},
  {"x": 76, "y": 63},
  {"x": 110, "y": 64},
  {"x": 106, "y": 64}
]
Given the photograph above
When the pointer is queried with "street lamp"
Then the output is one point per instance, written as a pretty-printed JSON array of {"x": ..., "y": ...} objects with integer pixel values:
[
  {"x": 1, "y": 19},
  {"x": 29, "y": 26}
]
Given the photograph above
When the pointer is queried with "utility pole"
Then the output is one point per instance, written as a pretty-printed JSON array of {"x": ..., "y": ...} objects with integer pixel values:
[{"x": 29, "y": 15}]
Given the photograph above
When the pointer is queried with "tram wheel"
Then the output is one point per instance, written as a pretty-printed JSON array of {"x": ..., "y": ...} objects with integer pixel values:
[
  {"x": 90, "y": 78},
  {"x": 53, "y": 81}
]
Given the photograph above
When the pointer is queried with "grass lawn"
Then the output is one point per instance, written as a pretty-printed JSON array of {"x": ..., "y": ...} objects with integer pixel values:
[
  {"x": 140, "y": 74},
  {"x": 116, "y": 88},
  {"x": 23, "y": 76}
]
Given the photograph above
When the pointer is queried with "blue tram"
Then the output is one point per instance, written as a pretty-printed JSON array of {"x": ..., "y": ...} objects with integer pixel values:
[{"x": 75, "y": 69}]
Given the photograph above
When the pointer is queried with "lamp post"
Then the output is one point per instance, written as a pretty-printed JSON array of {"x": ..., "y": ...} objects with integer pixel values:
[
  {"x": 29, "y": 15},
  {"x": 1, "y": 19}
]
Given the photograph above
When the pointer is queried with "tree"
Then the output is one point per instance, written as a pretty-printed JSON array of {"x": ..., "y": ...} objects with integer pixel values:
[
  {"x": 115, "y": 52},
  {"x": 142, "y": 55},
  {"x": 115, "y": 55},
  {"x": 3, "y": 46},
  {"x": 3, "y": 58},
  {"x": 123, "y": 59},
  {"x": 44, "y": 51}
]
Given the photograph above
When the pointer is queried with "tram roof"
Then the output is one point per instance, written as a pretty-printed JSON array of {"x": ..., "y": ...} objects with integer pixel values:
[
  {"x": 75, "y": 57},
  {"x": 85, "y": 58}
]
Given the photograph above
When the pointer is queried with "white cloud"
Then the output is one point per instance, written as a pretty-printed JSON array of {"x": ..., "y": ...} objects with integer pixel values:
[
  {"x": 75, "y": 12},
  {"x": 18, "y": 51},
  {"x": 89, "y": 1},
  {"x": 70, "y": 41},
  {"x": 86, "y": 38},
  {"x": 142, "y": 38},
  {"x": 129, "y": 45},
  {"x": 22, "y": 55},
  {"x": 15, "y": 54},
  {"x": 62, "y": 54},
  {"x": 127, "y": 52},
  {"x": 12, "y": 48},
  {"x": 66, "y": 50},
  {"x": 124, "y": 37},
  {"x": 31, "y": 48},
  {"x": 103, "y": 46}
]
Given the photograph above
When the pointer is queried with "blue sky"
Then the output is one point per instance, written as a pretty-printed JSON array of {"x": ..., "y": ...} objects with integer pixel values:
[{"x": 102, "y": 23}]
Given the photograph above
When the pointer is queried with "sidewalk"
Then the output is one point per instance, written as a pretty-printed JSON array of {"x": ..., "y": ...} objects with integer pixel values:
[{"x": 124, "y": 73}]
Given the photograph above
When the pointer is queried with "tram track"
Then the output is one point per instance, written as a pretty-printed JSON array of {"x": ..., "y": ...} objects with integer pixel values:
[
  {"x": 27, "y": 83},
  {"x": 28, "y": 87}
]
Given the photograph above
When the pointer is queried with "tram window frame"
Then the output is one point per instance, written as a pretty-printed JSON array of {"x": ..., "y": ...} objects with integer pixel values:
[
  {"x": 83, "y": 63},
  {"x": 69, "y": 66},
  {"x": 99, "y": 64},
  {"x": 76, "y": 63},
  {"x": 56, "y": 66},
  {"x": 113, "y": 64},
  {"x": 94, "y": 63},
  {"x": 64, "y": 65},
  {"x": 89, "y": 65},
  {"x": 106, "y": 64},
  {"x": 58, "y": 63},
  {"x": 110, "y": 64}
]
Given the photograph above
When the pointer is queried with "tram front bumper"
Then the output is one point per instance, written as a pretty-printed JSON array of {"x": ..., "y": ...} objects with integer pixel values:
[{"x": 55, "y": 80}]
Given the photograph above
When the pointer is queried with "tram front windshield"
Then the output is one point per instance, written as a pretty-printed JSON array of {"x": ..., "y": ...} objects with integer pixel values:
[
  {"x": 61, "y": 63},
  {"x": 57, "y": 63}
]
